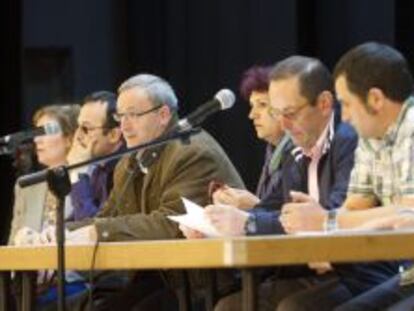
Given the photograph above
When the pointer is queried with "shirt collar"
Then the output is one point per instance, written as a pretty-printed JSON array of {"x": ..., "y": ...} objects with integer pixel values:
[
  {"x": 147, "y": 157},
  {"x": 322, "y": 145},
  {"x": 392, "y": 132}
]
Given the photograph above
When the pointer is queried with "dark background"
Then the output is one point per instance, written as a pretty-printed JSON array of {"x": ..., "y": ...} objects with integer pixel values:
[{"x": 55, "y": 50}]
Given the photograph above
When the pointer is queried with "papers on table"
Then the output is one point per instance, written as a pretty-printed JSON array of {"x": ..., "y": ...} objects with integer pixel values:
[{"x": 195, "y": 219}]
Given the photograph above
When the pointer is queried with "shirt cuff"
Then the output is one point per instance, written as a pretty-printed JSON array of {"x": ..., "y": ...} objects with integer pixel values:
[
  {"x": 103, "y": 230},
  {"x": 267, "y": 222}
]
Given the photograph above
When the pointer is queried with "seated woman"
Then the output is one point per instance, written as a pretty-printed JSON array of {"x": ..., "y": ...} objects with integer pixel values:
[
  {"x": 254, "y": 89},
  {"x": 35, "y": 206}
]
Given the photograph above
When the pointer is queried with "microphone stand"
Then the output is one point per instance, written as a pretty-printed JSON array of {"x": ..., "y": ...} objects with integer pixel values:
[{"x": 59, "y": 183}]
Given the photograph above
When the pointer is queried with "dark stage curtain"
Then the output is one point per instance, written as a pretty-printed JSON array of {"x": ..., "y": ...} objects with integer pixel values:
[
  {"x": 10, "y": 100},
  {"x": 200, "y": 46}
]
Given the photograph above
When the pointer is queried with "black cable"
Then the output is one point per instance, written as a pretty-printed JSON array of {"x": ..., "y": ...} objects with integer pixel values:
[
  {"x": 135, "y": 164},
  {"x": 132, "y": 174}
]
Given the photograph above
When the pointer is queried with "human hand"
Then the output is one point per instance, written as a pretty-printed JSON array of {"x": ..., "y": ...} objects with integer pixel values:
[
  {"x": 320, "y": 267},
  {"x": 26, "y": 236},
  {"x": 399, "y": 221},
  {"x": 84, "y": 235},
  {"x": 48, "y": 235},
  {"x": 405, "y": 221},
  {"x": 81, "y": 149},
  {"x": 302, "y": 214},
  {"x": 79, "y": 152},
  {"x": 191, "y": 233},
  {"x": 239, "y": 198},
  {"x": 228, "y": 220}
]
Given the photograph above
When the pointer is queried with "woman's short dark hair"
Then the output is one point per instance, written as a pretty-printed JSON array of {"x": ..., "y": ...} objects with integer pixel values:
[
  {"x": 255, "y": 78},
  {"x": 376, "y": 65}
]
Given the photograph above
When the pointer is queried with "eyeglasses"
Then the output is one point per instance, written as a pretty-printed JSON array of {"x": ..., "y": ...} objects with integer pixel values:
[
  {"x": 87, "y": 129},
  {"x": 134, "y": 115},
  {"x": 289, "y": 114}
]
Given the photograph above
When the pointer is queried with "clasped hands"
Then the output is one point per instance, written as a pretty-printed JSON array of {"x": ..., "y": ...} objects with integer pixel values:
[
  {"x": 27, "y": 236},
  {"x": 304, "y": 213}
]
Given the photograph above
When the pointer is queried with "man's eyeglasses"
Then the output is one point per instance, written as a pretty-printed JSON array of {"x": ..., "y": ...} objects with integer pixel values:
[
  {"x": 289, "y": 114},
  {"x": 88, "y": 129},
  {"x": 133, "y": 115}
]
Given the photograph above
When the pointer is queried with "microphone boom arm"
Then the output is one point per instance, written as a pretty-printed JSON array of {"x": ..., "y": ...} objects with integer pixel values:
[{"x": 183, "y": 135}]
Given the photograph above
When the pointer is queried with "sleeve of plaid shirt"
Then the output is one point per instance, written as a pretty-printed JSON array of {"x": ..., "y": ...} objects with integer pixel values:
[
  {"x": 361, "y": 175},
  {"x": 404, "y": 166},
  {"x": 393, "y": 180}
]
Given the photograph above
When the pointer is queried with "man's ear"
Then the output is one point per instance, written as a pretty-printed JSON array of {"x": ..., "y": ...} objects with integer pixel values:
[
  {"x": 165, "y": 115},
  {"x": 375, "y": 100},
  {"x": 325, "y": 102},
  {"x": 114, "y": 135}
]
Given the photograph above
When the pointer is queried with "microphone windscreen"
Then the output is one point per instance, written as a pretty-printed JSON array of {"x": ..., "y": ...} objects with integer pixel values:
[
  {"x": 226, "y": 98},
  {"x": 52, "y": 128}
]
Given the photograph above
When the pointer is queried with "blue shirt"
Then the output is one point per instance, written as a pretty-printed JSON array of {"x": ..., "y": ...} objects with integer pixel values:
[{"x": 90, "y": 192}]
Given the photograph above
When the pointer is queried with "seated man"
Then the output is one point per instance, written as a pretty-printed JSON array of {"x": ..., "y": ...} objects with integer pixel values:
[
  {"x": 98, "y": 134},
  {"x": 375, "y": 87},
  {"x": 379, "y": 106},
  {"x": 149, "y": 185},
  {"x": 314, "y": 177}
]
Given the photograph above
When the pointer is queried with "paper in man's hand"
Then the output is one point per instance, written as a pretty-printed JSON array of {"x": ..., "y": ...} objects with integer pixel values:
[{"x": 195, "y": 219}]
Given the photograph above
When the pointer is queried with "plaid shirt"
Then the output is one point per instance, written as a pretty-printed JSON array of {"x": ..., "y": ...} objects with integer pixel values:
[{"x": 384, "y": 168}]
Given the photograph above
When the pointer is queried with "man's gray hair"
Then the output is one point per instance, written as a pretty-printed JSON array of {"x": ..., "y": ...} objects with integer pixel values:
[{"x": 158, "y": 90}]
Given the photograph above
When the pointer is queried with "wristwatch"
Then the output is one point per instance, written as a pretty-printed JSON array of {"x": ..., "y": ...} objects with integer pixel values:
[
  {"x": 331, "y": 223},
  {"x": 250, "y": 227}
]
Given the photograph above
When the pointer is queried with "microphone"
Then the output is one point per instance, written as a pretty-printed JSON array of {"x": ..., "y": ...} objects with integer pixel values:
[
  {"x": 224, "y": 99},
  {"x": 23, "y": 136}
]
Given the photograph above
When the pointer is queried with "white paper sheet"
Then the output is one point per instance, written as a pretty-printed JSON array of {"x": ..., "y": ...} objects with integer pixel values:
[{"x": 195, "y": 219}]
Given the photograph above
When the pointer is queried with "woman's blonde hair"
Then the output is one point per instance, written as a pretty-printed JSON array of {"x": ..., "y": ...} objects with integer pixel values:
[{"x": 65, "y": 115}]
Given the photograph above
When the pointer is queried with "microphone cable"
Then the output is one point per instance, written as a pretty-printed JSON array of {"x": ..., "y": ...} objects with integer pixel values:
[
  {"x": 132, "y": 173},
  {"x": 136, "y": 162}
]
